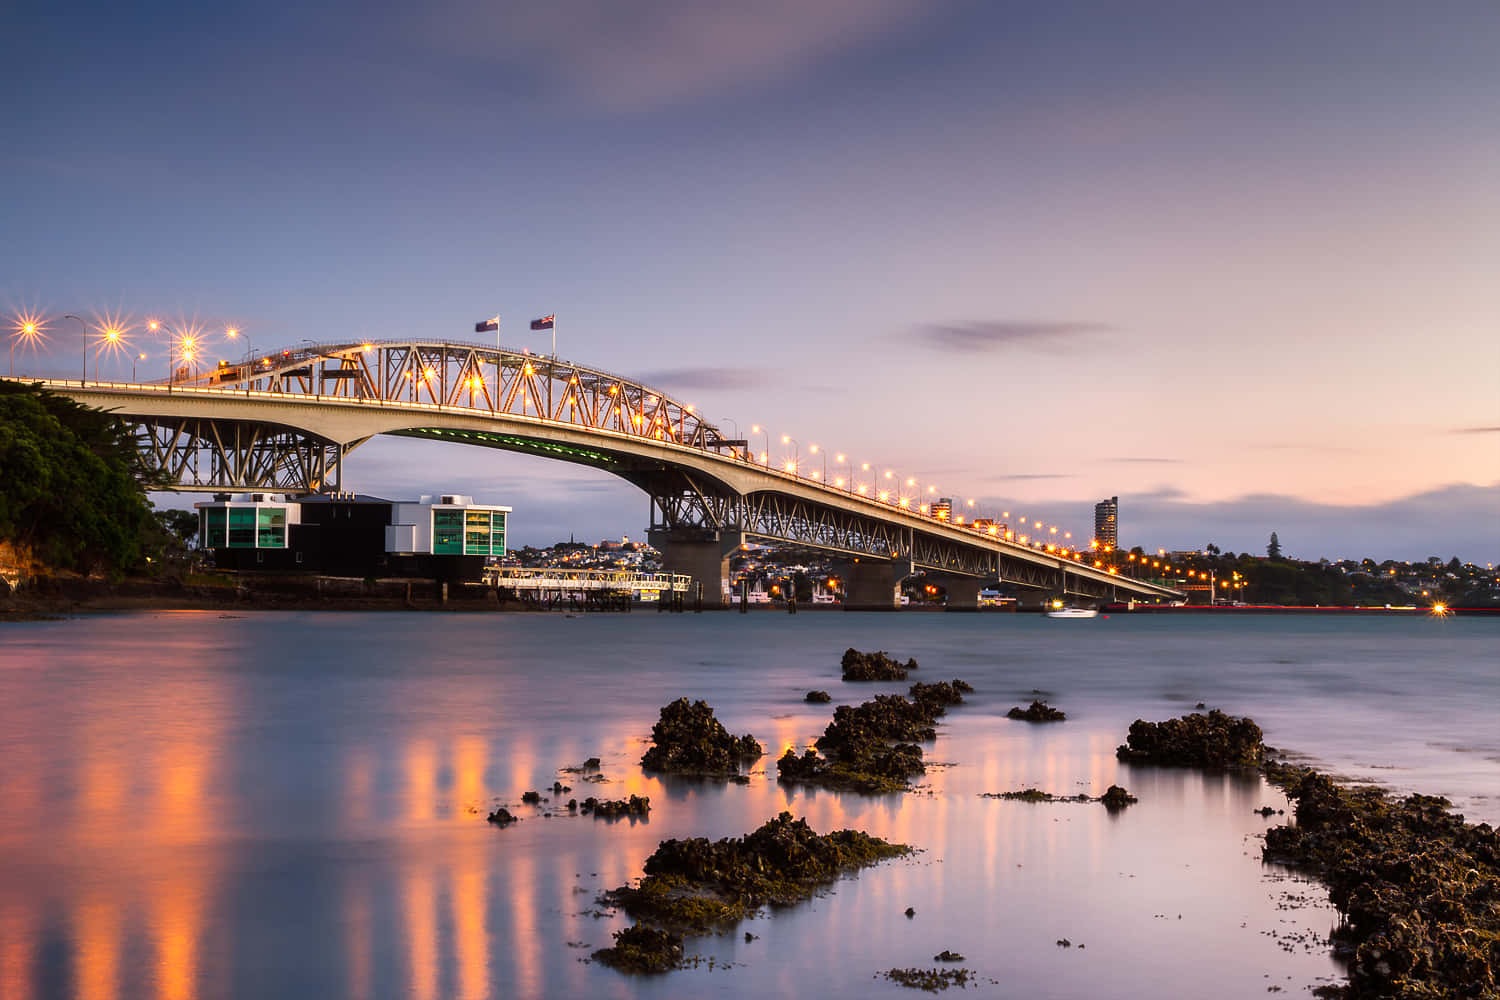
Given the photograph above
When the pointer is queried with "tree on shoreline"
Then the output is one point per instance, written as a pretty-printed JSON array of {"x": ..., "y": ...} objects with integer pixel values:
[
  {"x": 73, "y": 493},
  {"x": 1273, "y": 549}
]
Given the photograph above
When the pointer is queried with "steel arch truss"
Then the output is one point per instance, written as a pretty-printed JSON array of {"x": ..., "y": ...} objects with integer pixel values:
[
  {"x": 192, "y": 454},
  {"x": 491, "y": 380}
]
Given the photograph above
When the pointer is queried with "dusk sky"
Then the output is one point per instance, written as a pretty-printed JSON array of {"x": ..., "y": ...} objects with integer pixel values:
[{"x": 1238, "y": 264}]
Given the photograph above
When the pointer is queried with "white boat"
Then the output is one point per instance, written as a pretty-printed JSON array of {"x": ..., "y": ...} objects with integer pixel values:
[{"x": 1072, "y": 613}]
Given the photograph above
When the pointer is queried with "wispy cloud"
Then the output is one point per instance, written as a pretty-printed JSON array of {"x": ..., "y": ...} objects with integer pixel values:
[
  {"x": 1146, "y": 461},
  {"x": 708, "y": 378},
  {"x": 652, "y": 53},
  {"x": 1013, "y": 476},
  {"x": 1475, "y": 430},
  {"x": 995, "y": 335}
]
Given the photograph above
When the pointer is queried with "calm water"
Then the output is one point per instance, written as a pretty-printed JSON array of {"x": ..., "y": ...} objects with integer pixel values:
[{"x": 293, "y": 804}]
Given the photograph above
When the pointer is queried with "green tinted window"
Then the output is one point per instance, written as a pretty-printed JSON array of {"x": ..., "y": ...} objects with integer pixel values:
[
  {"x": 242, "y": 527},
  {"x": 448, "y": 532},
  {"x": 271, "y": 528},
  {"x": 497, "y": 534},
  {"x": 213, "y": 520}
]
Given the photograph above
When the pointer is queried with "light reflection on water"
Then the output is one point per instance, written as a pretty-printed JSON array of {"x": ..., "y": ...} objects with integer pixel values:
[{"x": 290, "y": 804}]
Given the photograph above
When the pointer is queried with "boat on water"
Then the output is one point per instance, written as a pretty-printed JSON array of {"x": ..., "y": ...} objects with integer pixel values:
[{"x": 1072, "y": 613}]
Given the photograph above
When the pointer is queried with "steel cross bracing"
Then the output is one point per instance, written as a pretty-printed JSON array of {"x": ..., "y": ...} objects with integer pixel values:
[
  {"x": 489, "y": 379},
  {"x": 194, "y": 453},
  {"x": 777, "y": 517}
]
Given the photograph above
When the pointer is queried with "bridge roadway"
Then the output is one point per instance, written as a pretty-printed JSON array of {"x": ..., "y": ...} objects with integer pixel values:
[{"x": 285, "y": 421}]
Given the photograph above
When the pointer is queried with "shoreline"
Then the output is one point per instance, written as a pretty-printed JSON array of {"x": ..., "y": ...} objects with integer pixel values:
[{"x": 55, "y": 597}]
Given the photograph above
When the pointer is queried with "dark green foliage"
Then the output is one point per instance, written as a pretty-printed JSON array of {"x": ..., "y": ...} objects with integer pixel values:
[
  {"x": 72, "y": 490},
  {"x": 689, "y": 740},
  {"x": 818, "y": 697},
  {"x": 1197, "y": 740},
  {"x": 1273, "y": 548},
  {"x": 1419, "y": 887}
]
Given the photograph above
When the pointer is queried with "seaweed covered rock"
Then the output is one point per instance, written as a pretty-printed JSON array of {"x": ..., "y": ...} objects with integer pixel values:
[
  {"x": 818, "y": 697},
  {"x": 689, "y": 740},
  {"x": 929, "y": 980},
  {"x": 636, "y": 805},
  {"x": 1196, "y": 740},
  {"x": 1037, "y": 711},
  {"x": 942, "y": 694},
  {"x": 501, "y": 817},
  {"x": 642, "y": 949},
  {"x": 872, "y": 747},
  {"x": 701, "y": 885},
  {"x": 1419, "y": 887},
  {"x": 876, "y": 666},
  {"x": 1114, "y": 798}
]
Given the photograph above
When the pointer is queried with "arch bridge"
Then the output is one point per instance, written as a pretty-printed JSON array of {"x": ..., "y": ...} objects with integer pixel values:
[{"x": 285, "y": 422}]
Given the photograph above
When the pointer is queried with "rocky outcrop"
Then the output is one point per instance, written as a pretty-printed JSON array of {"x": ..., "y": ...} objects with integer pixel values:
[{"x": 689, "y": 740}]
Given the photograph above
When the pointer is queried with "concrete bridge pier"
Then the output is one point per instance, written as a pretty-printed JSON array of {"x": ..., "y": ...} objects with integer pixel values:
[
  {"x": 702, "y": 555},
  {"x": 874, "y": 584},
  {"x": 963, "y": 591}
]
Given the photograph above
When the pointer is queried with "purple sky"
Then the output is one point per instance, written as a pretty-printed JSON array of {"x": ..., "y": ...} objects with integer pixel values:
[{"x": 1234, "y": 263}]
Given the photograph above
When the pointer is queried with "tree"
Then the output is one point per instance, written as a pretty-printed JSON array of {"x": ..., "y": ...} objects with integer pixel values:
[
  {"x": 1273, "y": 550},
  {"x": 181, "y": 524},
  {"x": 72, "y": 494},
  {"x": 1212, "y": 549}
]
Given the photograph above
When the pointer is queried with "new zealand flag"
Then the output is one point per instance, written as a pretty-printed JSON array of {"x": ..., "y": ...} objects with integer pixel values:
[{"x": 545, "y": 323}]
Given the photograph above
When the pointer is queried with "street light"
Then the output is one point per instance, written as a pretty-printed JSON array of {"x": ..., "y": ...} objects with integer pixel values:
[
  {"x": 84, "y": 327},
  {"x": 765, "y": 455},
  {"x": 796, "y": 453},
  {"x": 111, "y": 338},
  {"x": 816, "y": 450},
  {"x": 29, "y": 329},
  {"x": 138, "y": 357}
]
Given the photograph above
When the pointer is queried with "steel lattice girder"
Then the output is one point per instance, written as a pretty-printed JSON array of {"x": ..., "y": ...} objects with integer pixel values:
[
  {"x": 488, "y": 379},
  {"x": 205, "y": 455}
]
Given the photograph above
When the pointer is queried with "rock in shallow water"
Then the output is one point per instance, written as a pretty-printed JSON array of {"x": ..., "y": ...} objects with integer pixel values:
[
  {"x": 876, "y": 666},
  {"x": 1197, "y": 740},
  {"x": 1037, "y": 711},
  {"x": 687, "y": 739}
]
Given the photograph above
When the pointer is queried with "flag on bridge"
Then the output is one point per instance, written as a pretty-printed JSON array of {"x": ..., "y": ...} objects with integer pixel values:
[
  {"x": 487, "y": 325},
  {"x": 545, "y": 323}
]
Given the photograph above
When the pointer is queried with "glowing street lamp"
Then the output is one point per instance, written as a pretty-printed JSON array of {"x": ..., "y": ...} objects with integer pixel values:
[
  {"x": 109, "y": 342},
  {"x": 138, "y": 357},
  {"x": 27, "y": 329},
  {"x": 796, "y": 452},
  {"x": 765, "y": 454},
  {"x": 816, "y": 450}
]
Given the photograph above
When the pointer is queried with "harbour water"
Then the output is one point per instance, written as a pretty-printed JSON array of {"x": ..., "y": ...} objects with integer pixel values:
[{"x": 292, "y": 805}]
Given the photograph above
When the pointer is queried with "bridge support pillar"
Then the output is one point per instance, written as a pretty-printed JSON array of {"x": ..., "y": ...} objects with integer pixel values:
[
  {"x": 963, "y": 591},
  {"x": 874, "y": 585},
  {"x": 702, "y": 555}
]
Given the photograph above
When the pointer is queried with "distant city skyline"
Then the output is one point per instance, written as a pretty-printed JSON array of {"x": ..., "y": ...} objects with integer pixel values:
[{"x": 1232, "y": 264}]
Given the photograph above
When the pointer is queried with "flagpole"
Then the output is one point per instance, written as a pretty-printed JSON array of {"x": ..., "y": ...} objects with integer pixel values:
[{"x": 554, "y": 336}]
